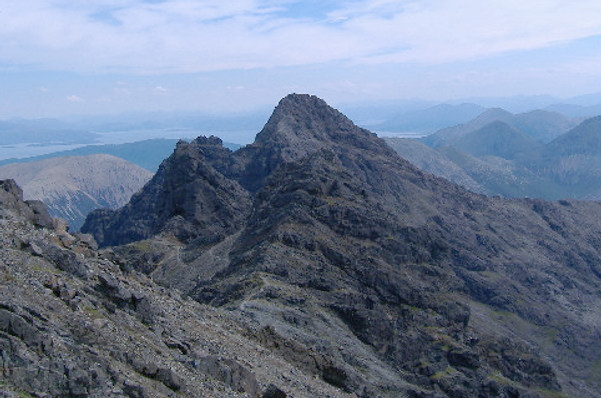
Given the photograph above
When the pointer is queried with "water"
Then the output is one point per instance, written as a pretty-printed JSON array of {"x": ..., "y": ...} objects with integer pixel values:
[
  {"x": 401, "y": 134},
  {"x": 120, "y": 137}
]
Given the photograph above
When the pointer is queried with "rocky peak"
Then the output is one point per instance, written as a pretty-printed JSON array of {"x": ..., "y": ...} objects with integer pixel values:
[
  {"x": 299, "y": 118},
  {"x": 188, "y": 198},
  {"x": 302, "y": 124},
  {"x": 11, "y": 198},
  {"x": 10, "y": 193},
  {"x": 203, "y": 175},
  {"x": 328, "y": 243}
]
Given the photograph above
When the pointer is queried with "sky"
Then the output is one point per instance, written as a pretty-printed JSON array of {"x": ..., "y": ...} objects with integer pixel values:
[{"x": 64, "y": 57}]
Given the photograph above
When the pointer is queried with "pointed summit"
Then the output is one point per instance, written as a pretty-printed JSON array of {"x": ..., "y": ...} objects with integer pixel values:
[
  {"x": 302, "y": 124},
  {"x": 301, "y": 117}
]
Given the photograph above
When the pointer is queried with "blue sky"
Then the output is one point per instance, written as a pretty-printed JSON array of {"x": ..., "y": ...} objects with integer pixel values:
[{"x": 61, "y": 57}]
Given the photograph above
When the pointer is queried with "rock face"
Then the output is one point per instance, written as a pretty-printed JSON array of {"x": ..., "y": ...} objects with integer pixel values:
[
  {"x": 357, "y": 267},
  {"x": 188, "y": 198},
  {"x": 74, "y": 324},
  {"x": 73, "y": 186},
  {"x": 34, "y": 211}
]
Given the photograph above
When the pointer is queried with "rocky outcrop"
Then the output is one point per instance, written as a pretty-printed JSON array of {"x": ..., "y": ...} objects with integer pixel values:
[
  {"x": 189, "y": 198},
  {"x": 11, "y": 196},
  {"x": 377, "y": 278}
]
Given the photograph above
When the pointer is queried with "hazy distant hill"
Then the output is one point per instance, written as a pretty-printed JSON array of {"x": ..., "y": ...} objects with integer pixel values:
[
  {"x": 503, "y": 177},
  {"x": 434, "y": 161},
  {"x": 74, "y": 186},
  {"x": 543, "y": 125},
  {"x": 575, "y": 110},
  {"x": 487, "y": 175},
  {"x": 496, "y": 139},
  {"x": 585, "y": 139},
  {"x": 573, "y": 159},
  {"x": 540, "y": 125},
  {"x": 502, "y": 160},
  {"x": 448, "y": 134}
]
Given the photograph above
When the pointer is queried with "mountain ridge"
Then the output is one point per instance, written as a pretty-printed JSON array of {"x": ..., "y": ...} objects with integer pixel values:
[
  {"x": 339, "y": 239},
  {"x": 496, "y": 139},
  {"x": 541, "y": 125},
  {"x": 514, "y": 165}
]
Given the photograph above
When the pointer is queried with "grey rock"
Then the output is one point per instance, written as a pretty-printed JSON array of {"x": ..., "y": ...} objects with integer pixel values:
[
  {"x": 114, "y": 333},
  {"x": 273, "y": 391},
  {"x": 228, "y": 372},
  {"x": 400, "y": 261},
  {"x": 15, "y": 325},
  {"x": 63, "y": 259},
  {"x": 40, "y": 216},
  {"x": 11, "y": 197}
]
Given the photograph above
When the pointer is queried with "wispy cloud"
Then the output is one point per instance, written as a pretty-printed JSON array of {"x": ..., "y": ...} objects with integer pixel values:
[
  {"x": 191, "y": 36},
  {"x": 75, "y": 98}
]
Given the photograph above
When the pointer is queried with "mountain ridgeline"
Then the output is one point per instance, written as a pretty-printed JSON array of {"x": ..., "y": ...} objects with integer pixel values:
[
  {"x": 526, "y": 155},
  {"x": 366, "y": 272}
]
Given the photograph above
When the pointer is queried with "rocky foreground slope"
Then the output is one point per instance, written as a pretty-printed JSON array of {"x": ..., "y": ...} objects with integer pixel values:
[
  {"x": 72, "y": 186},
  {"x": 362, "y": 270},
  {"x": 75, "y": 324}
]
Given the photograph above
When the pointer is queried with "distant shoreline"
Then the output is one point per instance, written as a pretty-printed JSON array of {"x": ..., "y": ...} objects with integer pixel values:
[{"x": 32, "y": 149}]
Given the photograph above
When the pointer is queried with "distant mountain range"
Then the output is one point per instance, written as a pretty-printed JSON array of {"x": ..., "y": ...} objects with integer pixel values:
[
  {"x": 539, "y": 125},
  {"x": 430, "y": 119},
  {"x": 75, "y": 185},
  {"x": 538, "y": 154}
]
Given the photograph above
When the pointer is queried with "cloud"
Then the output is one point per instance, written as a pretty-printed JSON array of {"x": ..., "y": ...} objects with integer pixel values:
[
  {"x": 75, "y": 98},
  {"x": 174, "y": 36}
]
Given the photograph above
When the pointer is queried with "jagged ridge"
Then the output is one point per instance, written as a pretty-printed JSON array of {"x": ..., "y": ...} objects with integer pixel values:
[{"x": 331, "y": 238}]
